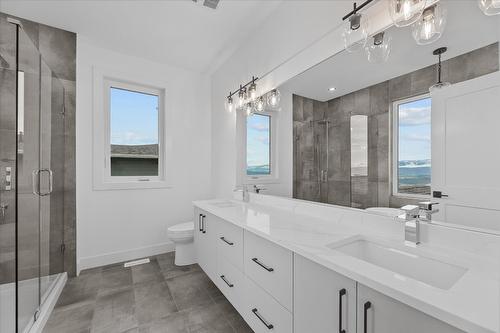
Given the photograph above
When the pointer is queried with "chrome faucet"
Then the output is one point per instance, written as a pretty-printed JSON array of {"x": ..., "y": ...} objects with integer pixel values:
[
  {"x": 412, "y": 223},
  {"x": 427, "y": 208},
  {"x": 257, "y": 189},
  {"x": 244, "y": 190}
]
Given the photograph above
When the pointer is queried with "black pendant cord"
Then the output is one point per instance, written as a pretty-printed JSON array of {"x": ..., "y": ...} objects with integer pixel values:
[
  {"x": 439, "y": 70},
  {"x": 439, "y": 52},
  {"x": 356, "y": 9}
]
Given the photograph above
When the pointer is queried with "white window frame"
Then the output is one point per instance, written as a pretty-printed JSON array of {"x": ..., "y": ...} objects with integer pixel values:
[
  {"x": 273, "y": 177},
  {"x": 395, "y": 146},
  {"x": 102, "y": 179}
]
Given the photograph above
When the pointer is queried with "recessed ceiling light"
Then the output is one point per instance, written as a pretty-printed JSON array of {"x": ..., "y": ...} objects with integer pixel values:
[{"x": 332, "y": 89}]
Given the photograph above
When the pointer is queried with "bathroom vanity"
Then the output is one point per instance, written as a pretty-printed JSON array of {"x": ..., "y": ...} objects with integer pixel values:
[{"x": 292, "y": 266}]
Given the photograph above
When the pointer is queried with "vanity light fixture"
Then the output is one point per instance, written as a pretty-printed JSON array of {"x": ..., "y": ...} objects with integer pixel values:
[
  {"x": 252, "y": 90},
  {"x": 379, "y": 48},
  {"x": 406, "y": 12},
  {"x": 242, "y": 97},
  {"x": 229, "y": 103},
  {"x": 249, "y": 108},
  {"x": 355, "y": 31},
  {"x": 430, "y": 26},
  {"x": 273, "y": 99},
  {"x": 260, "y": 104},
  {"x": 439, "y": 84},
  {"x": 489, "y": 7}
]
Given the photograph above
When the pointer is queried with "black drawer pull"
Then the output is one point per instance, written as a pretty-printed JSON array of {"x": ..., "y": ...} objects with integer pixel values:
[
  {"x": 256, "y": 313},
  {"x": 203, "y": 225},
  {"x": 342, "y": 292},
  {"x": 226, "y": 241},
  {"x": 367, "y": 306},
  {"x": 200, "y": 227},
  {"x": 269, "y": 269},
  {"x": 227, "y": 282}
]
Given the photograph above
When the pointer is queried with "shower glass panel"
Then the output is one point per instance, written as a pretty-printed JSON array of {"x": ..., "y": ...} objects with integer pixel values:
[{"x": 28, "y": 162}]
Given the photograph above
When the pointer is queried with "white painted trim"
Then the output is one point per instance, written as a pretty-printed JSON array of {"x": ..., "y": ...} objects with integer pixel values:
[
  {"x": 115, "y": 257},
  {"x": 49, "y": 304},
  {"x": 100, "y": 114}
]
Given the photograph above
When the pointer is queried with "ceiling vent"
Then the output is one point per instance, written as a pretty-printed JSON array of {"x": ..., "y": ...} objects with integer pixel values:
[{"x": 208, "y": 3}]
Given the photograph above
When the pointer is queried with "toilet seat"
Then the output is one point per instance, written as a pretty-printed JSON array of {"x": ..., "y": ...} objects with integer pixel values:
[{"x": 185, "y": 229}]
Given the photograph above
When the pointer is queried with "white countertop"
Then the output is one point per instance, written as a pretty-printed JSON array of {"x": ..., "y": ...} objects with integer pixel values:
[{"x": 471, "y": 304}]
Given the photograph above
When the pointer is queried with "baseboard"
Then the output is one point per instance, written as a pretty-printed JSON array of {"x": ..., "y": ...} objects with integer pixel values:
[
  {"x": 49, "y": 304},
  {"x": 114, "y": 257}
]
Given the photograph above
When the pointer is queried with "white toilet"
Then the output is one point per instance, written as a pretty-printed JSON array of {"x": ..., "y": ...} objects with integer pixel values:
[{"x": 182, "y": 235}]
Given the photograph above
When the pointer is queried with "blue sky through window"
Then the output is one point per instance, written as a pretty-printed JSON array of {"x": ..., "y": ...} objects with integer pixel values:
[
  {"x": 258, "y": 145},
  {"x": 415, "y": 130},
  {"x": 134, "y": 117}
]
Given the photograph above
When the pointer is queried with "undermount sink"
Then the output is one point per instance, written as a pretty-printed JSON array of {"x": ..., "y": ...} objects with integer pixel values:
[{"x": 429, "y": 271}]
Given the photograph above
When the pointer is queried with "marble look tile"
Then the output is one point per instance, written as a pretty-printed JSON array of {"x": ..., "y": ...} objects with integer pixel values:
[
  {"x": 58, "y": 48},
  {"x": 399, "y": 88},
  {"x": 149, "y": 272},
  {"x": 115, "y": 312},
  {"x": 170, "y": 270},
  {"x": 189, "y": 290},
  {"x": 154, "y": 301},
  {"x": 208, "y": 319},
  {"x": 473, "y": 64},
  {"x": 113, "y": 278},
  {"x": 173, "y": 323},
  {"x": 7, "y": 99},
  {"x": 75, "y": 319},
  {"x": 422, "y": 79}
]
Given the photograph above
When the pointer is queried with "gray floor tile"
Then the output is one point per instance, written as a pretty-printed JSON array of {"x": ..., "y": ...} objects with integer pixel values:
[
  {"x": 115, "y": 312},
  {"x": 73, "y": 319},
  {"x": 113, "y": 278},
  {"x": 170, "y": 270},
  {"x": 153, "y": 301},
  {"x": 147, "y": 272},
  {"x": 208, "y": 319},
  {"x": 173, "y": 323},
  {"x": 189, "y": 290}
]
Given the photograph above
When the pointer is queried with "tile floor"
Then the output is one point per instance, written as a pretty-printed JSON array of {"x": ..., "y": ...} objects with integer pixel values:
[{"x": 154, "y": 297}]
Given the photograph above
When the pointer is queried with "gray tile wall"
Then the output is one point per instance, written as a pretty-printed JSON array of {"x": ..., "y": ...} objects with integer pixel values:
[
  {"x": 375, "y": 102},
  {"x": 58, "y": 49}
]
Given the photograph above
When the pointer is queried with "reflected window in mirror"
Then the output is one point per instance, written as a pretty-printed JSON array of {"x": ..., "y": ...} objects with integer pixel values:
[
  {"x": 412, "y": 146},
  {"x": 258, "y": 146}
]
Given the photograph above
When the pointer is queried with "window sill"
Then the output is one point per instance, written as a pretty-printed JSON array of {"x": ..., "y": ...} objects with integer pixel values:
[
  {"x": 131, "y": 185},
  {"x": 263, "y": 180}
]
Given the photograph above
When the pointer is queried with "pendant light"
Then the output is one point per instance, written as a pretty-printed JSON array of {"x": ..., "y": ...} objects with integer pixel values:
[
  {"x": 260, "y": 104},
  {"x": 249, "y": 109},
  {"x": 229, "y": 105},
  {"x": 489, "y": 7},
  {"x": 406, "y": 12},
  {"x": 355, "y": 31},
  {"x": 439, "y": 84},
  {"x": 273, "y": 99},
  {"x": 379, "y": 47},
  {"x": 242, "y": 97},
  {"x": 430, "y": 26},
  {"x": 252, "y": 90}
]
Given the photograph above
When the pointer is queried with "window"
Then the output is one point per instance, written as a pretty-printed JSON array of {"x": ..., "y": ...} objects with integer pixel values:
[
  {"x": 258, "y": 145},
  {"x": 412, "y": 146},
  {"x": 133, "y": 133}
]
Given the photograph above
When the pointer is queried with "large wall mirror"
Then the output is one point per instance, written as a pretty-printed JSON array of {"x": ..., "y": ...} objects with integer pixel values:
[{"x": 373, "y": 135}]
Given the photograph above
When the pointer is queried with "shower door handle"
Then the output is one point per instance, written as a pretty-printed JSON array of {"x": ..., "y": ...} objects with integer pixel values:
[
  {"x": 51, "y": 181},
  {"x": 35, "y": 179}
]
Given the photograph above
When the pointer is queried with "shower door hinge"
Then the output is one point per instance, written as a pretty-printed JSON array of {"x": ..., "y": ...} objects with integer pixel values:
[
  {"x": 36, "y": 315},
  {"x": 63, "y": 248}
]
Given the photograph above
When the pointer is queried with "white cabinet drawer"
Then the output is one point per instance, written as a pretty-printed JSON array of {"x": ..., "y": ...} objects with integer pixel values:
[
  {"x": 230, "y": 281},
  {"x": 262, "y": 312},
  {"x": 270, "y": 266},
  {"x": 230, "y": 243}
]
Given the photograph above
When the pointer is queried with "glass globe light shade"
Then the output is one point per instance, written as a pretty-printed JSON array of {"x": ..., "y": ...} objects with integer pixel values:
[
  {"x": 379, "y": 47},
  {"x": 355, "y": 33},
  {"x": 431, "y": 25},
  {"x": 249, "y": 109},
  {"x": 489, "y": 7},
  {"x": 252, "y": 91},
  {"x": 406, "y": 12},
  {"x": 273, "y": 99},
  {"x": 242, "y": 98},
  {"x": 229, "y": 105},
  {"x": 260, "y": 104}
]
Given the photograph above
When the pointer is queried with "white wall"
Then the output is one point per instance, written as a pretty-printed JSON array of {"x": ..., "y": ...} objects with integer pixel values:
[
  {"x": 119, "y": 225},
  {"x": 298, "y": 35}
]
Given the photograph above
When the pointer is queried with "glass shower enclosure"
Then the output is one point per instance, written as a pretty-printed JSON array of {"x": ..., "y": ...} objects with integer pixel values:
[{"x": 32, "y": 148}]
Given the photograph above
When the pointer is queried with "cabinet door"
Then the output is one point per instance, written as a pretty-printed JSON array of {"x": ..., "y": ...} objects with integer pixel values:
[
  {"x": 205, "y": 242},
  {"x": 378, "y": 313},
  {"x": 318, "y": 294}
]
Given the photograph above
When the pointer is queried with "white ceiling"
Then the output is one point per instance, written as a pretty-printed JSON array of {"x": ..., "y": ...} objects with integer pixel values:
[
  {"x": 175, "y": 32},
  {"x": 467, "y": 29}
]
